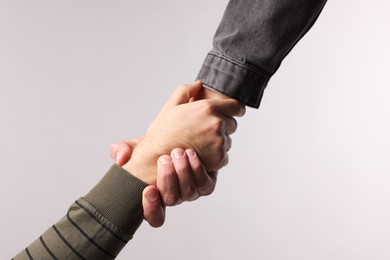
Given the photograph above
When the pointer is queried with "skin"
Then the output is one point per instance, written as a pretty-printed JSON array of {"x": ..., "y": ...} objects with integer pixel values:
[
  {"x": 182, "y": 176},
  {"x": 178, "y": 180},
  {"x": 202, "y": 125},
  {"x": 206, "y": 93}
]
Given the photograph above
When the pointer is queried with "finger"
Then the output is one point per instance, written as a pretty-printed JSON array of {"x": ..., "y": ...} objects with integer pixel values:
[
  {"x": 228, "y": 143},
  {"x": 229, "y": 107},
  {"x": 167, "y": 182},
  {"x": 205, "y": 183},
  {"x": 213, "y": 176},
  {"x": 225, "y": 160},
  {"x": 184, "y": 93},
  {"x": 230, "y": 125},
  {"x": 154, "y": 210},
  {"x": 121, "y": 153},
  {"x": 187, "y": 187}
]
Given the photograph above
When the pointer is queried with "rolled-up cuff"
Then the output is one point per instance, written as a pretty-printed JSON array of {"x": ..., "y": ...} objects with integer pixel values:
[
  {"x": 118, "y": 197},
  {"x": 233, "y": 79}
]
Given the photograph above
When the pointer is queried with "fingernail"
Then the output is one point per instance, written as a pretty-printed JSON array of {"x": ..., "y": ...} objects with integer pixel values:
[
  {"x": 178, "y": 153},
  {"x": 165, "y": 159},
  {"x": 152, "y": 195},
  {"x": 190, "y": 153}
]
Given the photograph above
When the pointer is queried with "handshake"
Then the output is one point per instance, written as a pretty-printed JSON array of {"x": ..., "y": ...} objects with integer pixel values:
[
  {"x": 177, "y": 160},
  {"x": 183, "y": 149}
]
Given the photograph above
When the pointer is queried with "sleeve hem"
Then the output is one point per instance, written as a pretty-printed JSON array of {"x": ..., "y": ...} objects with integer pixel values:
[
  {"x": 234, "y": 79},
  {"x": 103, "y": 221},
  {"x": 118, "y": 197}
]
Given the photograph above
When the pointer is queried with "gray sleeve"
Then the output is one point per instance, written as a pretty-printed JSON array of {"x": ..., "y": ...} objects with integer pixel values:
[
  {"x": 97, "y": 226},
  {"x": 251, "y": 42}
]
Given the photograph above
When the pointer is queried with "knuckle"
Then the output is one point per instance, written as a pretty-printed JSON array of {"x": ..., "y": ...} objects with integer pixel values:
[
  {"x": 220, "y": 144},
  {"x": 225, "y": 160},
  {"x": 219, "y": 124},
  {"x": 189, "y": 191},
  {"x": 207, "y": 189},
  {"x": 243, "y": 110},
  {"x": 229, "y": 141},
  {"x": 203, "y": 184},
  {"x": 240, "y": 108},
  {"x": 190, "y": 194},
  {"x": 208, "y": 107},
  {"x": 171, "y": 200},
  {"x": 230, "y": 125},
  {"x": 216, "y": 125},
  {"x": 220, "y": 158},
  {"x": 235, "y": 124},
  {"x": 228, "y": 146}
]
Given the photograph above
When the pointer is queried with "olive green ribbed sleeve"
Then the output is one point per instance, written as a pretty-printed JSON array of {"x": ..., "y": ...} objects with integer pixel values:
[
  {"x": 118, "y": 197},
  {"x": 97, "y": 226}
]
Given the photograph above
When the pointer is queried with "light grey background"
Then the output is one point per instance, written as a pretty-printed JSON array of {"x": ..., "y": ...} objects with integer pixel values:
[{"x": 309, "y": 172}]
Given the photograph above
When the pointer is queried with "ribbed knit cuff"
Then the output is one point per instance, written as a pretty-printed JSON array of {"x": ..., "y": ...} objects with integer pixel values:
[
  {"x": 233, "y": 79},
  {"x": 118, "y": 197}
]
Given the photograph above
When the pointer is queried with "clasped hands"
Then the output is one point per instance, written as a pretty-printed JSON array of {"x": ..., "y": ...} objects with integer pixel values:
[{"x": 188, "y": 142}]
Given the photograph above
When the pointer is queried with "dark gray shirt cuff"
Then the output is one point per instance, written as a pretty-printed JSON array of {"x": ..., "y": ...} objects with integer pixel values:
[{"x": 233, "y": 79}]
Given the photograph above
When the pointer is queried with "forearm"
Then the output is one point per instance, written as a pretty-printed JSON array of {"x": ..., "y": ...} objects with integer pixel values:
[
  {"x": 97, "y": 226},
  {"x": 251, "y": 42}
]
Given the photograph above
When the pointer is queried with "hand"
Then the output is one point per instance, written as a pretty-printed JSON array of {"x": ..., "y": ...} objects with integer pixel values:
[
  {"x": 203, "y": 125},
  {"x": 206, "y": 93},
  {"x": 180, "y": 178}
]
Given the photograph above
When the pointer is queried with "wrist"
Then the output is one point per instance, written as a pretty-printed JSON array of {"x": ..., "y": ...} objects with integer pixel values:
[
  {"x": 142, "y": 165},
  {"x": 206, "y": 93}
]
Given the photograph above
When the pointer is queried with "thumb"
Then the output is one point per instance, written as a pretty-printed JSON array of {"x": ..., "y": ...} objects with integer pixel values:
[
  {"x": 121, "y": 152},
  {"x": 154, "y": 210},
  {"x": 183, "y": 93}
]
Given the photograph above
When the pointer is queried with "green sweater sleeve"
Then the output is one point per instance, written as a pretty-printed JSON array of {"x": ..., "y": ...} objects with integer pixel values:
[{"x": 96, "y": 226}]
